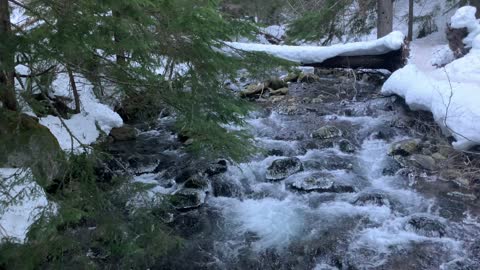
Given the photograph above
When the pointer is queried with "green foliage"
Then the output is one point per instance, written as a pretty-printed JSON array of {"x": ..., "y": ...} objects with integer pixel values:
[
  {"x": 91, "y": 229},
  {"x": 330, "y": 19},
  {"x": 169, "y": 51}
]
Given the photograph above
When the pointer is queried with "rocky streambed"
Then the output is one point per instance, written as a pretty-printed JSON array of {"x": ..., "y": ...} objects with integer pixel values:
[{"x": 349, "y": 179}]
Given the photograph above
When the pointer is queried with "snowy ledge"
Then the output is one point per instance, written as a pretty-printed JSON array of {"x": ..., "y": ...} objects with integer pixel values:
[
  {"x": 451, "y": 93},
  {"x": 316, "y": 54}
]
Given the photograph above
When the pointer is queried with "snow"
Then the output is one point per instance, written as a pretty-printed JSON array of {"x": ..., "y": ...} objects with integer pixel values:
[
  {"x": 451, "y": 93},
  {"x": 18, "y": 215},
  {"x": 316, "y": 54},
  {"x": 87, "y": 126},
  {"x": 465, "y": 17}
]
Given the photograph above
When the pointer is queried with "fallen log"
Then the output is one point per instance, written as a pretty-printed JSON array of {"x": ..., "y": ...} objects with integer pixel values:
[
  {"x": 391, "y": 61},
  {"x": 389, "y": 52}
]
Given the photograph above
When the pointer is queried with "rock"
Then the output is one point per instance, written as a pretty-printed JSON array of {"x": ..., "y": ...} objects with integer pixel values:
[
  {"x": 423, "y": 162},
  {"x": 404, "y": 148},
  {"x": 225, "y": 188},
  {"x": 283, "y": 168},
  {"x": 24, "y": 143},
  {"x": 186, "y": 199},
  {"x": 454, "y": 176},
  {"x": 392, "y": 167},
  {"x": 291, "y": 77},
  {"x": 462, "y": 264},
  {"x": 330, "y": 162},
  {"x": 438, "y": 157},
  {"x": 281, "y": 91},
  {"x": 346, "y": 146},
  {"x": 327, "y": 132},
  {"x": 196, "y": 182},
  {"x": 320, "y": 182},
  {"x": 461, "y": 196},
  {"x": 276, "y": 84},
  {"x": 308, "y": 78},
  {"x": 124, "y": 133},
  {"x": 217, "y": 168},
  {"x": 426, "y": 226},
  {"x": 372, "y": 198},
  {"x": 253, "y": 90}
]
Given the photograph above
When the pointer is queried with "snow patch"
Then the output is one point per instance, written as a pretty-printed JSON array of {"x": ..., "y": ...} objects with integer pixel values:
[
  {"x": 465, "y": 17},
  {"x": 85, "y": 126},
  {"x": 21, "y": 203}
]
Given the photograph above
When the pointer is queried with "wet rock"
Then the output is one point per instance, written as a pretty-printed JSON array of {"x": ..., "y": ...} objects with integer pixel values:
[
  {"x": 196, "y": 182},
  {"x": 330, "y": 162},
  {"x": 327, "y": 132},
  {"x": 461, "y": 196},
  {"x": 281, "y": 91},
  {"x": 474, "y": 249},
  {"x": 346, "y": 146},
  {"x": 253, "y": 90},
  {"x": 186, "y": 199},
  {"x": 276, "y": 84},
  {"x": 225, "y": 188},
  {"x": 320, "y": 182},
  {"x": 391, "y": 167},
  {"x": 124, "y": 133},
  {"x": 438, "y": 157},
  {"x": 454, "y": 176},
  {"x": 405, "y": 147},
  {"x": 426, "y": 226},
  {"x": 423, "y": 162},
  {"x": 217, "y": 168},
  {"x": 291, "y": 77},
  {"x": 282, "y": 168},
  {"x": 372, "y": 198},
  {"x": 462, "y": 264},
  {"x": 308, "y": 78}
]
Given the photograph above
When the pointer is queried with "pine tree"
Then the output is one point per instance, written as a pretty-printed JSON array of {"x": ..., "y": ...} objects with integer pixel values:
[
  {"x": 126, "y": 43},
  {"x": 7, "y": 59}
]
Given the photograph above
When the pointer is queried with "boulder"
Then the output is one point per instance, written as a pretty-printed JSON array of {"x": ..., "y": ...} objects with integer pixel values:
[
  {"x": 186, "y": 199},
  {"x": 196, "y": 182},
  {"x": 372, "y": 198},
  {"x": 308, "y": 78},
  {"x": 405, "y": 147},
  {"x": 423, "y": 162},
  {"x": 24, "y": 143},
  {"x": 327, "y": 132},
  {"x": 283, "y": 168},
  {"x": 217, "y": 168},
  {"x": 280, "y": 92},
  {"x": 291, "y": 77},
  {"x": 320, "y": 182},
  {"x": 253, "y": 90},
  {"x": 276, "y": 83},
  {"x": 346, "y": 146},
  {"x": 426, "y": 226},
  {"x": 124, "y": 133}
]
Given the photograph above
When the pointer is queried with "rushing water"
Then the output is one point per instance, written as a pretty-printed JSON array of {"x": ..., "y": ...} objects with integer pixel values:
[{"x": 381, "y": 221}]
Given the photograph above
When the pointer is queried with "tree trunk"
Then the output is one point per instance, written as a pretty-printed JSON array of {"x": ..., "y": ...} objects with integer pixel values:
[
  {"x": 385, "y": 17},
  {"x": 74, "y": 90},
  {"x": 121, "y": 59},
  {"x": 410, "y": 20},
  {"x": 7, "y": 60}
]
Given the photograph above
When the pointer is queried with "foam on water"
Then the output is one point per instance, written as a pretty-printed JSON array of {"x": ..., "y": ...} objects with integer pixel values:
[{"x": 275, "y": 222}]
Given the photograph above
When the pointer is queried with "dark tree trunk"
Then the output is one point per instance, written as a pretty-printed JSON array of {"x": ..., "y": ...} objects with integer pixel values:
[
  {"x": 410, "y": 20},
  {"x": 385, "y": 17},
  {"x": 74, "y": 90},
  {"x": 121, "y": 59},
  {"x": 7, "y": 59}
]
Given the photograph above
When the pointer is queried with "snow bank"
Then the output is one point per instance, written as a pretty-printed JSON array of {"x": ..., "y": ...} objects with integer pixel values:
[
  {"x": 315, "y": 54},
  {"x": 86, "y": 126},
  {"x": 30, "y": 201},
  {"x": 451, "y": 93},
  {"x": 465, "y": 17}
]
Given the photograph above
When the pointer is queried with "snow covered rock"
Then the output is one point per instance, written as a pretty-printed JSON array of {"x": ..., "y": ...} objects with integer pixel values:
[{"x": 464, "y": 17}]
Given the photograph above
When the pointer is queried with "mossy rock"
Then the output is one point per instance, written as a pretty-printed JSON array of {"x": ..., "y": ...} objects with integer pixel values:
[{"x": 26, "y": 143}]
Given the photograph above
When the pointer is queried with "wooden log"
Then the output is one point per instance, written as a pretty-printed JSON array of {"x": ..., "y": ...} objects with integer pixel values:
[{"x": 391, "y": 61}]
